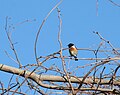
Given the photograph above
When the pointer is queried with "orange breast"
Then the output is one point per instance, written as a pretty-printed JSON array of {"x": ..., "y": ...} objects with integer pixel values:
[{"x": 73, "y": 51}]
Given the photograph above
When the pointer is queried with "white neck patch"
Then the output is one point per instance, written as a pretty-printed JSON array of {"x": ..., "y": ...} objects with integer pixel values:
[{"x": 73, "y": 46}]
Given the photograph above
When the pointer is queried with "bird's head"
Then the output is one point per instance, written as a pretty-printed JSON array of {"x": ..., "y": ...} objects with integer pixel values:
[{"x": 70, "y": 45}]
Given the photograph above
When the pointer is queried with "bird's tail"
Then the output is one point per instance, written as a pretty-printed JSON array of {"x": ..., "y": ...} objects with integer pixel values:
[{"x": 76, "y": 59}]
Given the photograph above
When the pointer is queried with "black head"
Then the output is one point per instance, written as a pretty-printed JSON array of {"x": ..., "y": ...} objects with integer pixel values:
[{"x": 70, "y": 44}]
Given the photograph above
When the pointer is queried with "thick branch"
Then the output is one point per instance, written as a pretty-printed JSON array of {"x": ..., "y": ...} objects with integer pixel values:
[{"x": 36, "y": 78}]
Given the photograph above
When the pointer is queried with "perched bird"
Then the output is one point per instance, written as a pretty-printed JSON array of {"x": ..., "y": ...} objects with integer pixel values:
[{"x": 73, "y": 51}]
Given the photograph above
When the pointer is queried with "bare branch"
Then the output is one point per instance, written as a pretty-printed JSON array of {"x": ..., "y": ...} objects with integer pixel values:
[
  {"x": 114, "y": 75},
  {"x": 97, "y": 7},
  {"x": 114, "y": 50},
  {"x": 11, "y": 43},
  {"x": 114, "y": 3},
  {"x": 5, "y": 89},
  {"x": 61, "y": 56},
  {"x": 38, "y": 78},
  {"x": 36, "y": 39},
  {"x": 91, "y": 79},
  {"x": 100, "y": 63},
  {"x": 100, "y": 79},
  {"x": 35, "y": 44}
]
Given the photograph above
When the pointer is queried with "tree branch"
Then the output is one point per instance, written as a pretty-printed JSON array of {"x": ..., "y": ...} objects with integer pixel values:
[{"x": 37, "y": 78}]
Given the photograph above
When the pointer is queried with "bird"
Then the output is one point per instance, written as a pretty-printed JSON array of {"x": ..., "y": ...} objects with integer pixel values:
[{"x": 73, "y": 51}]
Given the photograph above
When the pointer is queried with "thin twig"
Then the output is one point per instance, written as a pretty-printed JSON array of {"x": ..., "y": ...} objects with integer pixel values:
[
  {"x": 10, "y": 89},
  {"x": 36, "y": 39},
  {"x": 10, "y": 57},
  {"x": 96, "y": 56},
  {"x": 25, "y": 22},
  {"x": 10, "y": 82},
  {"x": 36, "y": 88},
  {"x": 114, "y": 50},
  {"x": 39, "y": 63},
  {"x": 97, "y": 7},
  {"x": 100, "y": 63},
  {"x": 114, "y": 3},
  {"x": 100, "y": 79},
  {"x": 11, "y": 43},
  {"x": 61, "y": 56},
  {"x": 114, "y": 75}
]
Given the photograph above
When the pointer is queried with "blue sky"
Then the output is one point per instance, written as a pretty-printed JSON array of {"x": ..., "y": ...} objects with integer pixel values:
[{"x": 79, "y": 20}]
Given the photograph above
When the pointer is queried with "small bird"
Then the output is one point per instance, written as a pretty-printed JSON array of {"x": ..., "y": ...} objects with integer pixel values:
[{"x": 73, "y": 51}]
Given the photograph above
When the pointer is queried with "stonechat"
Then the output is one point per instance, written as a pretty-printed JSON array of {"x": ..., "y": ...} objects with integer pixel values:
[{"x": 73, "y": 51}]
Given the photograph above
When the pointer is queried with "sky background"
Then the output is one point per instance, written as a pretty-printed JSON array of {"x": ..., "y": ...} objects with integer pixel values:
[{"x": 79, "y": 20}]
